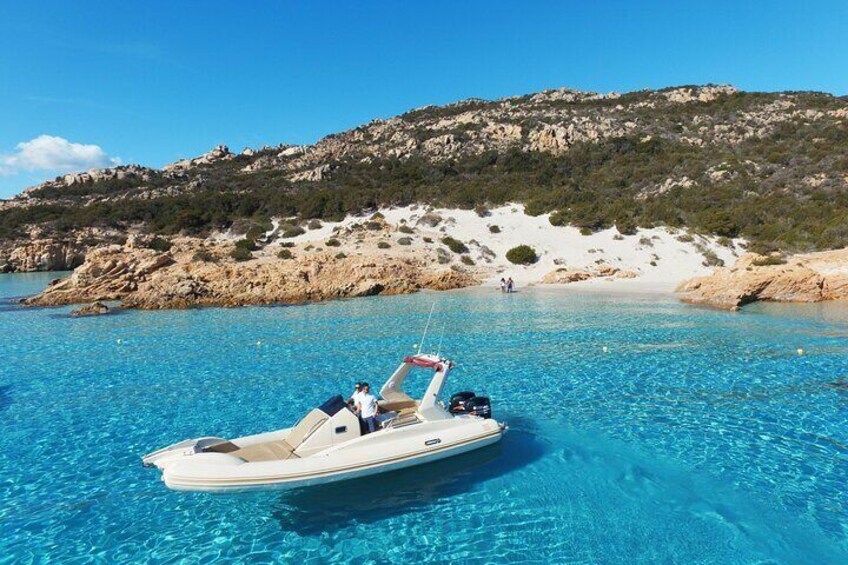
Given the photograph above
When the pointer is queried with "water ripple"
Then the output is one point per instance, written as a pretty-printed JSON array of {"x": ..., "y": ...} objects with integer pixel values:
[{"x": 641, "y": 430}]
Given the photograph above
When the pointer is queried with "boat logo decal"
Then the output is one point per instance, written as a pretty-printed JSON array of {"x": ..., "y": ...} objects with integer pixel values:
[{"x": 432, "y": 442}]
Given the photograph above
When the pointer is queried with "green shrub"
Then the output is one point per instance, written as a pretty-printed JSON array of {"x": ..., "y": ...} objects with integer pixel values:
[
  {"x": 241, "y": 254},
  {"x": 405, "y": 229},
  {"x": 285, "y": 254},
  {"x": 255, "y": 233},
  {"x": 373, "y": 226},
  {"x": 377, "y": 216},
  {"x": 719, "y": 222},
  {"x": 290, "y": 231},
  {"x": 494, "y": 229},
  {"x": 769, "y": 260},
  {"x": 711, "y": 259},
  {"x": 246, "y": 244},
  {"x": 314, "y": 224},
  {"x": 761, "y": 248},
  {"x": 204, "y": 256},
  {"x": 455, "y": 245},
  {"x": 428, "y": 240},
  {"x": 586, "y": 231},
  {"x": 404, "y": 241},
  {"x": 159, "y": 244},
  {"x": 287, "y": 244},
  {"x": 340, "y": 255},
  {"x": 626, "y": 226},
  {"x": 522, "y": 255},
  {"x": 333, "y": 242},
  {"x": 383, "y": 245},
  {"x": 685, "y": 238},
  {"x": 467, "y": 260}
]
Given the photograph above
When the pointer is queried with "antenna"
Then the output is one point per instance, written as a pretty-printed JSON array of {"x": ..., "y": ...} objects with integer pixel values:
[
  {"x": 420, "y": 345},
  {"x": 439, "y": 351}
]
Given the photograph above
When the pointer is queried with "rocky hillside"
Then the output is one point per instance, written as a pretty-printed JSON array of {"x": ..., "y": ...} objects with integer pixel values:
[{"x": 770, "y": 167}]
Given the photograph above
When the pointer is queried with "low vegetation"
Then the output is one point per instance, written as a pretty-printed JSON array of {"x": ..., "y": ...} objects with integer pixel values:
[
  {"x": 159, "y": 244},
  {"x": 246, "y": 244},
  {"x": 769, "y": 260},
  {"x": 241, "y": 254},
  {"x": 205, "y": 256},
  {"x": 522, "y": 255},
  {"x": 455, "y": 245},
  {"x": 290, "y": 231},
  {"x": 711, "y": 259},
  {"x": 758, "y": 187}
]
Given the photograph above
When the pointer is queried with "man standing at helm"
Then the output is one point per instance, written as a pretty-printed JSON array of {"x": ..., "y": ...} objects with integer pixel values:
[{"x": 367, "y": 408}]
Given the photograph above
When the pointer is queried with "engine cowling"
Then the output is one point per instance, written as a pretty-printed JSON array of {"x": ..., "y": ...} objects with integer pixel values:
[{"x": 458, "y": 401}]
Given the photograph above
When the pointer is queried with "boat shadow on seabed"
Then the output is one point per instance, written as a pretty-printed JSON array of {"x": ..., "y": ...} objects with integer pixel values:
[{"x": 323, "y": 508}]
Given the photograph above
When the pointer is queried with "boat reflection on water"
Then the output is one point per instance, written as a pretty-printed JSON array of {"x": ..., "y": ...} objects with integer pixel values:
[{"x": 337, "y": 505}]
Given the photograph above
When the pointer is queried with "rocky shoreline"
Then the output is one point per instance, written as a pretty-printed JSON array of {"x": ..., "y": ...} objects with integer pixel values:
[
  {"x": 42, "y": 254},
  {"x": 371, "y": 256},
  {"x": 809, "y": 277},
  {"x": 146, "y": 279},
  {"x": 197, "y": 272},
  {"x": 150, "y": 280}
]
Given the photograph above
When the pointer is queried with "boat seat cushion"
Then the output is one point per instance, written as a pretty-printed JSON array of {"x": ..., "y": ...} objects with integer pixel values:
[
  {"x": 402, "y": 406},
  {"x": 221, "y": 447},
  {"x": 265, "y": 451}
]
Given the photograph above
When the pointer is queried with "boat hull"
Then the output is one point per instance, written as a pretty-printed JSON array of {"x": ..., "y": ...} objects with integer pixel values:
[{"x": 332, "y": 467}]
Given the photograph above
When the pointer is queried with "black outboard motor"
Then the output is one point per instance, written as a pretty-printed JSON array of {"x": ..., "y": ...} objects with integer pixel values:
[
  {"x": 458, "y": 401},
  {"x": 479, "y": 406}
]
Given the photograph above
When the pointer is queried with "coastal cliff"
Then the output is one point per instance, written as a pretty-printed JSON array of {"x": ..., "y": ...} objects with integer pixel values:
[
  {"x": 809, "y": 277},
  {"x": 42, "y": 255},
  {"x": 149, "y": 280},
  {"x": 198, "y": 272}
]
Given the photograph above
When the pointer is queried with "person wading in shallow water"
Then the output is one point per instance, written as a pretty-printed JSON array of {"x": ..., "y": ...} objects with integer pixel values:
[
  {"x": 367, "y": 407},
  {"x": 509, "y": 284},
  {"x": 503, "y": 284}
]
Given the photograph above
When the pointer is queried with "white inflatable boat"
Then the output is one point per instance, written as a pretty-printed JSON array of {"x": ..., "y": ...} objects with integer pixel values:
[{"x": 328, "y": 445}]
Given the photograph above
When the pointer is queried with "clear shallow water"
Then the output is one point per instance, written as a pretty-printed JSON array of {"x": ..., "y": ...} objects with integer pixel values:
[{"x": 699, "y": 436}]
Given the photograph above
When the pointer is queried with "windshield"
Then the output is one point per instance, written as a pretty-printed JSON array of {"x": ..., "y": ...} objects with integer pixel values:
[{"x": 332, "y": 405}]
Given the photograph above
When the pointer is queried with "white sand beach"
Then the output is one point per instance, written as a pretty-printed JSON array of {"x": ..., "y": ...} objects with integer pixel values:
[{"x": 651, "y": 260}]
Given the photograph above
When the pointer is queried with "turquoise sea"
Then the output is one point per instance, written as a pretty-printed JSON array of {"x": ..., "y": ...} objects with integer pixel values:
[{"x": 697, "y": 436}]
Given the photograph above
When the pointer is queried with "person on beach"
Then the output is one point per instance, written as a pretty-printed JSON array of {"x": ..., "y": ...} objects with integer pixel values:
[
  {"x": 503, "y": 284},
  {"x": 509, "y": 285},
  {"x": 367, "y": 408}
]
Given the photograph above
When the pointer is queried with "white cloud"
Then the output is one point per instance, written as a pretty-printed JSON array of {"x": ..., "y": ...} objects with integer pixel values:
[{"x": 54, "y": 154}]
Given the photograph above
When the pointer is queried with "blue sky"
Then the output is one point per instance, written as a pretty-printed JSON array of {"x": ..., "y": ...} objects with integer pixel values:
[{"x": 95, "y": 83}]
